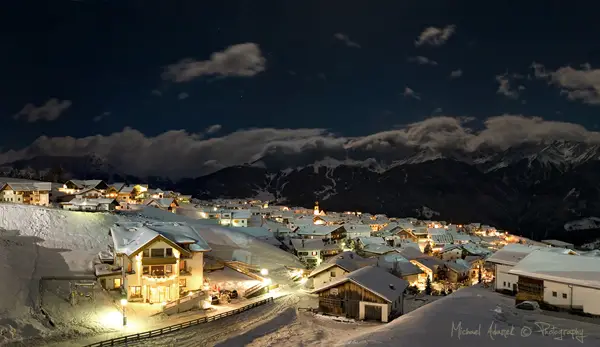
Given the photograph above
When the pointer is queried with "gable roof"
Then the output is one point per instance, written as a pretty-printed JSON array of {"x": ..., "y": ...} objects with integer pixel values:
[
  {"x": 130, "y": 237},
  {"x": 348, "y": 261},
  {"x": 374, "y": 279},
  {"x": 164, "y": 202},
  {"x": 317, "y": 230},
  {"x": 90, "y": 202},
  {"x": 26, "y": 186},
  {"x": 313, "y": 245},
  {"x": 512, "y": 253}
]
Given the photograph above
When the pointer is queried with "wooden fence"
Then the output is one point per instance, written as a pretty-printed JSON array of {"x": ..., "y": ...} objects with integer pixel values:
[{"x": 157, "y": 332}]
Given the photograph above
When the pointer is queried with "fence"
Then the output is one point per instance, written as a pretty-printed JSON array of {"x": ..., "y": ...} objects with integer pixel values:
[{"x": 157, "y": 332}]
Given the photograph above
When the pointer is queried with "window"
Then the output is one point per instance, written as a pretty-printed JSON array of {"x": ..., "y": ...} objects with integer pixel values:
[
  {"x": 146, "y": 253},
  {"x": 332, "y": 274},
  {"x": 169, "y": 269},
  {"x": 505, "y": 284},
  {"x": 333, "y": 291},
  {"x": 145, "y": 270},
  {"x": 157, "y": 252},
  {"x": 564, "y": 295},
  {"x": 169, "y": 252},
  {"x": 182, "y": 282},
  {"x": 554, "y": 294},
  {"x": 157, "y": 270},
  {"x": 135, "y": 292},
  {"x": 314, "y": 253},
  {"x": 117, "y": 283}
]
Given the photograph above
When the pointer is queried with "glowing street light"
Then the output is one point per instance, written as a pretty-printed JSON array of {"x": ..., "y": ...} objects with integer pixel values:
[
  {"x": 264, "y": 272},
  {"x": 123, "y": 304}
]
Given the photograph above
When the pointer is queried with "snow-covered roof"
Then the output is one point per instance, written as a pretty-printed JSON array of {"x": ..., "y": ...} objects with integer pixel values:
[
  {"x": 317, "y": 230},
  {"x": 512, "y": 253},
  {"x": 89, "y": 202},
  {"x": 27, "y": 186},
  {"x": 378, "y": 249},
  {"x": 358, "y": 229},
  {"x": 371, "y": 240},
  {"x": 163, "y": 203},
  {"x": 314, "y": 245},
  {"x": 241, "y": 214},
  {"x": 129, "y": 237},
  {"x": 459, "y": 266},
  {"x": 85, "y": 183},
  {"x": 374, "y": 279},
  {"x": 558, "y": 243},
  {"x": 571, "y": 269},
  {"x": 343, "y": 261},
  {"x": 396, "y": 261},
  {"x": 411, "y": 253}
]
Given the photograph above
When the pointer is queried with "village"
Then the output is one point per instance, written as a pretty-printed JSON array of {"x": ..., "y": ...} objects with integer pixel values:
[{"x": 350, "y": 265}]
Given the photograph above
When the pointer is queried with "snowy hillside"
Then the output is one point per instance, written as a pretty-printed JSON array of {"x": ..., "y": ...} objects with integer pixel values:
[
  {"x": 35, "y": 242},
  {"x": 477, "y": 317}
]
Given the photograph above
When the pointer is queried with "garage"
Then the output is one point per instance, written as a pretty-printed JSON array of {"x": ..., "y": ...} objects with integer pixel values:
[{"x": 373, "y": 312}]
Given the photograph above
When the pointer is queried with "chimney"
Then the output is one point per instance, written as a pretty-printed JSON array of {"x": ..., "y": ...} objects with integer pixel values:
[{"x": 392, "y": 287}]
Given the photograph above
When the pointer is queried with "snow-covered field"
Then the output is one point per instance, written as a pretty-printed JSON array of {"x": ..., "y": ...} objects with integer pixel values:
[{"x": 36, "y": 242}]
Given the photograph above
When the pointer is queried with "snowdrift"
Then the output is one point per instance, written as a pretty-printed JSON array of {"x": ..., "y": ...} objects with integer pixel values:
[
  {"x": 228, "y": 243},
  {"x": 36, "y": 242},
  {"x": 475, "y": 316}
]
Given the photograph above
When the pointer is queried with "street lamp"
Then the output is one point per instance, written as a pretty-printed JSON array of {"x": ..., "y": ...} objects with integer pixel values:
[
  {"x": 264, "y": 272},
  {"x": 123, "y": 304}
]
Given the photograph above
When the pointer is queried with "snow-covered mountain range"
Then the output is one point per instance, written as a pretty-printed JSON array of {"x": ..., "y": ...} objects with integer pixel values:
[{"x": 531, "y": 189}]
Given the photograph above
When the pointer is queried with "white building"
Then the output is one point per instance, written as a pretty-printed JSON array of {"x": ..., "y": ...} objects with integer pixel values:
[
  {"x": 354, "y": 231},
  {"x": 90, "y": 205},
  {"x": 334, "y": 268},
  {"x": 311, "y": 251},
  {"x": 30, "y": 193},
  {"x": 504, "y": 260},
  {"x": 235, "y": 218},
  {"x": 156, "y": 262},
  {"x": 560, "y": 280}
]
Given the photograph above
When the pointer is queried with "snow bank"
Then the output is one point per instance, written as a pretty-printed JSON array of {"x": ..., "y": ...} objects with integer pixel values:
[
  {"x": 36, "y": 242},
  {"x": 476, "y": 316},
  {"x": 225, "y": 242}
]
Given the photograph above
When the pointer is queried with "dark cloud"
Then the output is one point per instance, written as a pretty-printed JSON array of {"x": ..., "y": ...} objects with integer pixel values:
[
  {"x": 242, "y": 60},
  {"x": 50, "y": 111},
  {"x": 178, "y": 153}
]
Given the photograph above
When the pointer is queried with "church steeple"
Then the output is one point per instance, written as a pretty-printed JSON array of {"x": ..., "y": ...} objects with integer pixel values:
[{"x": 316, "y": 208}]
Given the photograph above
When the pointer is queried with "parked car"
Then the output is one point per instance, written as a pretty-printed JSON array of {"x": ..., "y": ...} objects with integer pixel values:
[
  {"x": 528, "y": 305},
  {"x": 233, "y": 294}
]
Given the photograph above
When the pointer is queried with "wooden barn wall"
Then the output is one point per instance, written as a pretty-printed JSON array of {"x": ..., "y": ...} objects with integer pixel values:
[{"x": 346, "y": 302}]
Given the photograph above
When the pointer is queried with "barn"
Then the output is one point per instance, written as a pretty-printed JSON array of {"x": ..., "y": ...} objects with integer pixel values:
[{"x": 369, "y": 293}]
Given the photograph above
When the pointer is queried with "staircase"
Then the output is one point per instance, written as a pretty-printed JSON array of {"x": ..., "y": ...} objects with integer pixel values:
[{"x": 185, "y": 303}]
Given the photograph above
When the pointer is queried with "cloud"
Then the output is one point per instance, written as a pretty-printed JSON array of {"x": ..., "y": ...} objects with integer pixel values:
[
  {"x": 578, "y": 84},
  {"x": 242, "y": 60},
  {"x": 505, "y": 89},
  {"x": 101, "y": 117},
  {"x": 456, "y": 73},
  {"x": 409, "y": 93},
  {"x": 182, "y": 96},
  {"x": 435, "y": 36},
  {"x": 178, "y": 153},
  {"x": 422, "y": 60},
  {"x": 213, "y": 129},
  {"x": 50, "y": 111},
  {"x": 346, "y": 40}
]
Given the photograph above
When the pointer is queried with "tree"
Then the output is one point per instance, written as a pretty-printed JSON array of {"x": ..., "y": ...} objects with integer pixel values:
[
  {"x": 464, "y": 253},
  {"x": 479, "y": 275},
  {"x": 428, "y": 286},
  {"x": 428, "y": 249}
]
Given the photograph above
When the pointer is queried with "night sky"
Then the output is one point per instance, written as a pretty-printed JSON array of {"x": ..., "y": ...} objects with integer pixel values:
[{"x": 340, "y": 69}]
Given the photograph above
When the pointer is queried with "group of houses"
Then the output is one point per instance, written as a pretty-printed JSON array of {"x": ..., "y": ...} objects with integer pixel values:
[{"x": 90, "y": 195}]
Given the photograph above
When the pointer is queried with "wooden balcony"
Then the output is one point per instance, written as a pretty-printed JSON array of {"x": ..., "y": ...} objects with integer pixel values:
[{"x": 159, "y": 261}]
